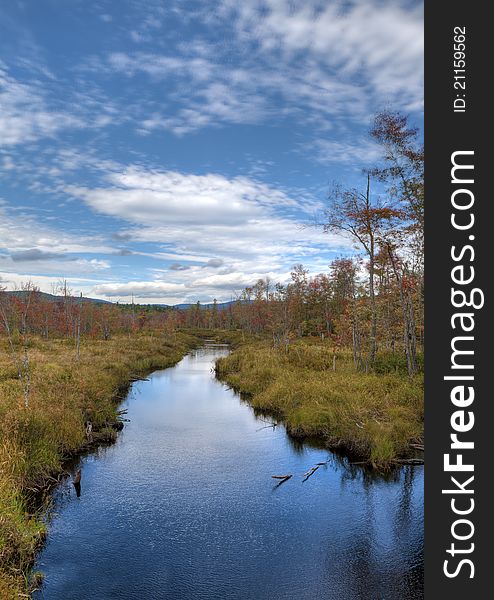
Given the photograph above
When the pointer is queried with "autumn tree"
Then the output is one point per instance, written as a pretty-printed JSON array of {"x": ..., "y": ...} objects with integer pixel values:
[
  {"x": 402, "y": 169},
  {"x": 402, "y": 165},
  {"x": 14, "y": 316},
  {"x": 343, "y": 275},
  {"x": 365, "y": 220}
]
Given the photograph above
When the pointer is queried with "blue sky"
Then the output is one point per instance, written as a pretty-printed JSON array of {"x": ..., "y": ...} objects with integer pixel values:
[{"x": 178, "y": 150}]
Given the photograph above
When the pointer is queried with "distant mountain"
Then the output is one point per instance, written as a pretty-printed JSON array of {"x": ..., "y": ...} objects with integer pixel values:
[
  {"x": 186, "y": 305},
  {"x": 219, "y": 305},
  {"x": 53, "y": 298},
  {"x": 183, "y": 306}
]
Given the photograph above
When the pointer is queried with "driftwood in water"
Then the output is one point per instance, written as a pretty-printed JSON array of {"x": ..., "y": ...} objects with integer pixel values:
[
  {"x": 271, "y": 425},
  {"x": 134, "y": 378},
  {"x": 281, "y": 479},
  {"x": 310, "y": 472}
]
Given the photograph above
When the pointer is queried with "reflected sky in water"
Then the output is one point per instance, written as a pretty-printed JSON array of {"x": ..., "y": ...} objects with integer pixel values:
[{"x": 183, "y": 507}]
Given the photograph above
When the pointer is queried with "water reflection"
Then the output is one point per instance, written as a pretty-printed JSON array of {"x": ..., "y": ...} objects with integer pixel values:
[
  {"x": 77, "y": 483},
  {"x": 184, "y": 506}
]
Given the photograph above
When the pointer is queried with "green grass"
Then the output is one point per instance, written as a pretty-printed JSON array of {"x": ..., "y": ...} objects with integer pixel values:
[
  {"x": 374, "y": 416},
  {"x": 34, "y": 441}
]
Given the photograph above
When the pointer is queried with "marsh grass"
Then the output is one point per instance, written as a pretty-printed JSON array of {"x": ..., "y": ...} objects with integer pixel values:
[
  {"x": 374, "y": 415},
  {"x": 35, "y": 440}
]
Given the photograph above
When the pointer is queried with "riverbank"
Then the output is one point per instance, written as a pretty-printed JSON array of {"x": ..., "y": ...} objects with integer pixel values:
[
  {"x": 184, "y": 506},
  {"x": 315, "y": 392},
  {"x": 65, "y": 392}
]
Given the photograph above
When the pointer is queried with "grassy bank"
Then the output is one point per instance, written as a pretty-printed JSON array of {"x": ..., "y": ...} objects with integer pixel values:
[
  {"x": 374, "y": 416},
  {"x": 35, "y": 440}
]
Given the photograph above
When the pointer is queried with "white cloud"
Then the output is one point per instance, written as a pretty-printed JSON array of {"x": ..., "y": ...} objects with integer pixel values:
[
  {"x": 58, "y": 266},
  {"x": 221, "y": 233},
  {"x": 325, "y": 63},
  {"x": 46, "y": 283},
  {"x": 232, "y": 281},
  {"x": 361, "y": 152},
  {"x": 25, "y": 115},
  {"x": 208, "y": 93},
  {"x": 25, "y": 234},
  {"x": 220, "y": 286},
  {"x": 381, "y": 41},
  {"x": 170, "y": 197},
  {"x": 148, "y": 289},
  {"x": 33, "y": 108}
]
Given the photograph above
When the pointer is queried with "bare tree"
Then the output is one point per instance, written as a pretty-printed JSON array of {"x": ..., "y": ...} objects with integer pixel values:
[
  {"x": 20, "y": 357},
  {"x": 78, "y": 329},
  {"x": 409, "y": 328}
]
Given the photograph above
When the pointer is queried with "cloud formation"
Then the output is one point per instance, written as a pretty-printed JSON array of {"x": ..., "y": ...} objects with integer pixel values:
[
  {"x": 170, "y": 197},
  {"x": 315, "y": 58},
  {"x": 25, "y": 115},
  {"x": 185, "y": 149},
  {"x": 33, "y": 254}
]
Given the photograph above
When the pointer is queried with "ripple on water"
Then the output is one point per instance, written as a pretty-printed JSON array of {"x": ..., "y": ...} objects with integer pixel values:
[{"x": 183, "y": 507}]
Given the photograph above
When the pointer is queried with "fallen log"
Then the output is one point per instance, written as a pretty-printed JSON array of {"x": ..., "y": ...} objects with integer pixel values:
[
  {"x": 310, "y": 472},
  {"x": 281, "y": 480},
  {"x": 271, "y": 426}
]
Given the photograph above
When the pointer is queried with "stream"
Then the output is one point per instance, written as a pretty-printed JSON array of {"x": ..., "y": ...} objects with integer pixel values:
[{"x": 183, "y": 506}]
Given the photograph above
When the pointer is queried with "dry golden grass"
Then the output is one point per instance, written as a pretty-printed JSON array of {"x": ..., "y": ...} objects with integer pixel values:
[
  {"x": 34, "y": 440},
  {"x": 372, "y": 415}
]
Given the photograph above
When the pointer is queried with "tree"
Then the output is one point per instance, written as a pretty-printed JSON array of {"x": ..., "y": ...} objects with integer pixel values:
[
  {"x": 403, "y": 170},
  {"x": 365, "y": 220},
  {"x": 405, "y": 283},
  {"x": 14, "y": 310},
  {"x": 403, "y": 167},
  {"x": 343, "y": 274}
]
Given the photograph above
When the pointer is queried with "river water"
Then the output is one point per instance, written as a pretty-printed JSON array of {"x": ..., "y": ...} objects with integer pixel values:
[{"x": 183, "y": 507}]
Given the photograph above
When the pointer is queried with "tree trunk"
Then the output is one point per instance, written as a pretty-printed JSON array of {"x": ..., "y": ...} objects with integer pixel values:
[
  {"x": 373, "y": 335},
  {"x": 409, "y": 330},
  {"x": 409, "y": 335},
  {"x": 372, "y": 252}
]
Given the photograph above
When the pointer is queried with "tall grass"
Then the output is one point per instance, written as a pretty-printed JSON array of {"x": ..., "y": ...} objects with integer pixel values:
[
  {"x": 35, "y": 440},
  {"x": 372, "y": 415}
]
